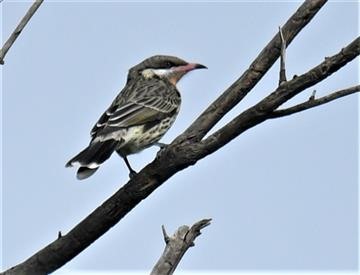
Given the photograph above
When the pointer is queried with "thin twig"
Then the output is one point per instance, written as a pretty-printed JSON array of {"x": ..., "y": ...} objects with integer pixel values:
[
  {"x": 314, "y": 102},
  {"x": 176, "y": 246},
  {"x": 312, "y": 97},
  {"x": 165, "y": 235},
  {"x": 282, "y": 75},
  {"x": 19, "y": 29}
]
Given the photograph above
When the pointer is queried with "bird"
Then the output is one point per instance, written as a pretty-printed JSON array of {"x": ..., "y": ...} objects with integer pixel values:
[{"x": 139, "y": 116}]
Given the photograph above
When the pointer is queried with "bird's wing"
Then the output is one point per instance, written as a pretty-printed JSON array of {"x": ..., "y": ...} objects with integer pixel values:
[{"x": 146, "y": 102}]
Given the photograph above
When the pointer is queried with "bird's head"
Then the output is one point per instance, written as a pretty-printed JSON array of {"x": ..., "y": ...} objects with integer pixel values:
[{"x": 165, "y": 67}]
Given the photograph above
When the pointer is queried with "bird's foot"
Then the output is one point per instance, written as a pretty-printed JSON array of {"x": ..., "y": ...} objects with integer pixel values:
[
  {"x": 161, "y": 145},
  {"x": 132, "y": 174},
  {"x": 162, "y": 149}
]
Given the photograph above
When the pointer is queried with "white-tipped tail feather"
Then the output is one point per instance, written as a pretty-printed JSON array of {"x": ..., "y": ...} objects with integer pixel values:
[{"x": 92, "y": 157}]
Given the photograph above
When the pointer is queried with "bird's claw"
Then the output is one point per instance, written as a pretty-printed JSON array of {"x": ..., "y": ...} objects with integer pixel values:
[
  {"x": 160, "y": 152},
  {"x": 132, "y": 174},
  {"x": 161, "y": 145}
]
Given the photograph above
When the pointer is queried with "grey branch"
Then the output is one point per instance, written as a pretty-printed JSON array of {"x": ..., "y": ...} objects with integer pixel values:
[
  {"x": 298, "y": 84},
  {"x": 176, "y": 246},
  {"x": 257, "y": 69},
  {"x": 312, "y": 102},
  {"x": 263, "y": 110},
  {"x": 282, "y": 75},
  {"x": 19, "y": 29},
  {"x": 190, "y": 147}
]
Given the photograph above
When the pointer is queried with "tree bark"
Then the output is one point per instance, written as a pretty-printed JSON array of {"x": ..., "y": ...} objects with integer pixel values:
[{"x": 176, "y": 246}]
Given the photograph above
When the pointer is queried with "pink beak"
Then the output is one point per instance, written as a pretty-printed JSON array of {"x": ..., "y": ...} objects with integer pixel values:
[{"x": 189, "y": 67}]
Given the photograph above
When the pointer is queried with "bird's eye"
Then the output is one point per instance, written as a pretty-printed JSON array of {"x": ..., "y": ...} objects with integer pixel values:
[{"x": 169, "y": 64}]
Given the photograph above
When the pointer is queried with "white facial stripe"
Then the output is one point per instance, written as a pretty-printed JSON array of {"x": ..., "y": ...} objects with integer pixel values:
[
  {"x": 162, "y": 72},
  {"x": 159, "y": 72}
]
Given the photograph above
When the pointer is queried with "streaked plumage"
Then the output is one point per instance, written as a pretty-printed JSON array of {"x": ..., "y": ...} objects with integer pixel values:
[{"x": 139, "y": 116}]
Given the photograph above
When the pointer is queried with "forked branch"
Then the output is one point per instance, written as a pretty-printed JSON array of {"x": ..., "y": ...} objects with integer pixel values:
[
  {"x": 257, "y": 69},
  {"x": 287, "y": 90},
  {"x": 312, "y": 102},
  {"x": 176, "y": 246}
]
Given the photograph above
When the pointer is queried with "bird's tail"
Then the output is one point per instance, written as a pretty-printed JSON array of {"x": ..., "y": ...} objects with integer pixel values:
[{"x": 92, "y": 157}]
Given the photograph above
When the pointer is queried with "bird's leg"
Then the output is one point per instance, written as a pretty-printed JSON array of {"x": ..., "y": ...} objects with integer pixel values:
[{"x": 132, "y": 171}]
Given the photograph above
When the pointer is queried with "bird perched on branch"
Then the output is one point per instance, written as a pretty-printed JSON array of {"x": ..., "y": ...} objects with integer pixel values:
[{"x": 139, "y": 116}]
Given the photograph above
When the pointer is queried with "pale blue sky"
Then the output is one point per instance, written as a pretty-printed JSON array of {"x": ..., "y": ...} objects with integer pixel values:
[{"x": 282, "y": 196}]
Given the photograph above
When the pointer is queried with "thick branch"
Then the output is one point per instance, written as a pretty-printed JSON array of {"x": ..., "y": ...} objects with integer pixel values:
[
  {"x": 176, "y": 246},
  {"x": 19, "y": 29},
  {"x": 314, "y": 102},
  {"x": 174, "y": 158},
  {"x": 262, "y": 110},
  {"x": 263, "y": 62}
]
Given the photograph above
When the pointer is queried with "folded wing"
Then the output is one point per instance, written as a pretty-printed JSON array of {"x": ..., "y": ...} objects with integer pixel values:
[{"x": 145, "y": 102}]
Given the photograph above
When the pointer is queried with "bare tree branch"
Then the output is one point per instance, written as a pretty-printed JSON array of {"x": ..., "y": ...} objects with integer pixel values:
[
  {"x": 19, "y": 29},
  {"x": 287, "y": 90},
  {"x": 263, "y": 62},
  {"x": 298, "y": 84},
  {"x": 188, "y": 148},
  {"x": 312, "y": 102},
  {"x": 176, "y": 246},
  {"x": 282, "y": 74}
]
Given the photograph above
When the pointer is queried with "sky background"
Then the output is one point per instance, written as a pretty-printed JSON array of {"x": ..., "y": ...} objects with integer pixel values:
[{"x": 282, "y": 196}]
